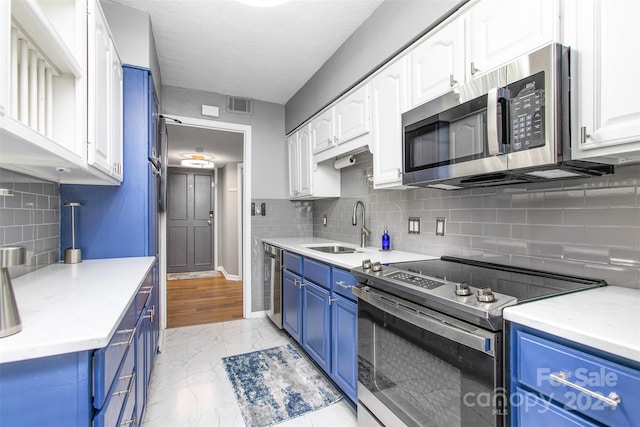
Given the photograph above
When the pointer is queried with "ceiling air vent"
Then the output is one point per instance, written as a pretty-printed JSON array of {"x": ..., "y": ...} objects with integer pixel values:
[{"x": 239, "y": 105}]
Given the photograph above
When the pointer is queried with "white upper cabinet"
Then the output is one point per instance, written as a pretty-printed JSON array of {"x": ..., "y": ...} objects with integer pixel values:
[
  {"x": 104, "y": 97},
  {"x": 388, "y": 101},
  {"x": 294, "y": 165},
  {"x": 322, "y": 131},
  {"x": 352, "y": 115},
  {"x": 437, "y": 62},
  {"x": 605, "y": 43},
  {"x": 43, "y": 93},
  {"x": 501, "y": 30}
]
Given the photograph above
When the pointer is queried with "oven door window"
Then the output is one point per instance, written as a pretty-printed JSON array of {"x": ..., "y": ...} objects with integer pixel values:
[
  {"x": 454, "y": 136},
  {"x": 423, "y": 378}
]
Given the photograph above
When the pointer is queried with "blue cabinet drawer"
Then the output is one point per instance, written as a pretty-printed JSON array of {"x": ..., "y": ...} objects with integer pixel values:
[
  {"x": 539, "y": 358},
  {"x": 318, "y": 272},
  {"x": 107, "y": 360},
  {"x": 535, "y": 411},
  {"x": 123, "y": 389},
  {"x": 343, "y": 281},
  {"x": 292, "y": 262}
]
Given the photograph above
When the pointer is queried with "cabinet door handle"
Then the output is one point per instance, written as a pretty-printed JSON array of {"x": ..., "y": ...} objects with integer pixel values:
[
  {"x": 125, "y": 331},
  {"x": 583, "y": 135},
  {"x": 452, "y": 81},
  {"x": 332, "y": 300},
  {"x": 474, "y": 70},
  {"x": 342, "y": 285},
  {"x": 612, "y": 400},
  {"x": 127, "y": 391}
]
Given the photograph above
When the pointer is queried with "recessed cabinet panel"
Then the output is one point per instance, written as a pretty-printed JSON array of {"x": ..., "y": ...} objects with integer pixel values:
[
  {"x": 306, "y": 171},
  {"x": 608, "y": 91},
  {"x": 388, "y": 101},
  {"x": 322, "y": 132},
  {"x": 437, "y": 63},
  {"x": 501, "y": 30},
  {"x": 352, "y": 115}
]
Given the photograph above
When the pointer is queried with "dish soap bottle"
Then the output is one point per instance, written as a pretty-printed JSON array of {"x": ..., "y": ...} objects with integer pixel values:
[{"x": 386, "y": 240}]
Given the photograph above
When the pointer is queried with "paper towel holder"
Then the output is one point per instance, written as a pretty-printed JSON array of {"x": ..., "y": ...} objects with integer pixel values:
[
  {"x": 344, "y": 162},
  {"x": 73, "y": 255}
]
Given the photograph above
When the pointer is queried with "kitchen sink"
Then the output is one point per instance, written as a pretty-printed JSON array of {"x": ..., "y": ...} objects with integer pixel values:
[{"x": 336, "y": 249}]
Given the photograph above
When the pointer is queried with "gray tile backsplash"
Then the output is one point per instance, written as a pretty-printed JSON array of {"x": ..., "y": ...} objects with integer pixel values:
[
  {"x": 283, "y": 219},
  {"x": 584, "y": 226},
  {"x": 30, "y": 218}
]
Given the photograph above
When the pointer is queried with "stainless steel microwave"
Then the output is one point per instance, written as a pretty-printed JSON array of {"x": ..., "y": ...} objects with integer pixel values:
[{"x": 508, "y": 126}]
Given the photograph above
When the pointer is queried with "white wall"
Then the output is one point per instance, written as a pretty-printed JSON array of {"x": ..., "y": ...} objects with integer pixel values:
[
  {"x": 228, "y": 218},
  {"x": 133, "y": 36},
  {"x": 391, "y": 27},
  {"x": 269, "y": 169}
]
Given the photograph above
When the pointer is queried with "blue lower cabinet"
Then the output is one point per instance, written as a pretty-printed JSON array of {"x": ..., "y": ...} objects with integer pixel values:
[
  {"x": 292, "y": 304},
  {"x": 316, "y": 334},
  {"x": 50, "y": 391},
  {"x": 559, "y": 382},
  {"x": 344, "y": 344},
  {"x": 123, "y": 388}
]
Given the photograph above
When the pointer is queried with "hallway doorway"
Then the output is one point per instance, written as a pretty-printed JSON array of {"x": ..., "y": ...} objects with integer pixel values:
[{"x": 202, "y": 205}]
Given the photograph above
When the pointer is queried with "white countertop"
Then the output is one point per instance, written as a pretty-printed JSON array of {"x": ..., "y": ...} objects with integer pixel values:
[
  {"x": 605, "y": 318},
  {"x": 301, "y": 245},
  {"x": 72, "y": 307}
]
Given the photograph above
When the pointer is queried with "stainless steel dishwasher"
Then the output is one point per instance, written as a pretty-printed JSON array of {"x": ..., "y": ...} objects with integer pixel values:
[{"x": 272, "y": 279}]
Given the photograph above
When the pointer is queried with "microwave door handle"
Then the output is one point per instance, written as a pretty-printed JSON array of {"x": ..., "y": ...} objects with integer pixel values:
[{"x": 496, "y": 127}]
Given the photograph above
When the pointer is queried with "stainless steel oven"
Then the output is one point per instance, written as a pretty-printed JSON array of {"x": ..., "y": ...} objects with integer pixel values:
[
  {"x": 272, "y": 281},
  {"x": 430, "y": 340},
  {"x": 419, "y": 367}
]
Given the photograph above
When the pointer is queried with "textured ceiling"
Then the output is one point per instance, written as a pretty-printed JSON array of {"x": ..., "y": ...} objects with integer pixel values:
[{"x": 264, "y": 53}]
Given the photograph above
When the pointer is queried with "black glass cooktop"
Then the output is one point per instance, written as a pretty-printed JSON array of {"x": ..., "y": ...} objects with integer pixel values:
[{"x": 523, "y": 283}]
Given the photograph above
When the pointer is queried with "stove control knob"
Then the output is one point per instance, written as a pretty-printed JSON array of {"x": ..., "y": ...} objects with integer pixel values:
[
  {"x": 366, "y": 264},
  {"x": 462, "y": 289},
  {"x": 376, "y": 266},
  {"x": 485, "y": 295}
]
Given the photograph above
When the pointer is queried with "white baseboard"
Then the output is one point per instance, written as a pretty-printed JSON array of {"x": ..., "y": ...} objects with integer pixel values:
[{"x": 228, "y": 276}]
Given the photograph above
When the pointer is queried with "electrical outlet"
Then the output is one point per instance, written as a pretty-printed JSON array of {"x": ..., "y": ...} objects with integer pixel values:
[
  {"x": 324, "y": 221},
  {"x": 440, "y": 226},
  {"x": 414, "y": 225}
]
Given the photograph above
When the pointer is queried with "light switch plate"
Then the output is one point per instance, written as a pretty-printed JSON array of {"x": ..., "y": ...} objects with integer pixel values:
[{"x": 414, "y": 225}]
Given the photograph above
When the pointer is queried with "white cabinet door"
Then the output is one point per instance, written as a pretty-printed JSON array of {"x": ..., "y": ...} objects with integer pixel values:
[
  {"x": 306, "y": 159},
  {"x": 502, "y": 30},
  {"x": 437, "y": 63},
  {"x": 294, "y": 166},
  {"x": 322, "y": 133},
  {"x": 116, "y": 114},
  {"x": 608, "y": 60},
  {"x": 352, "y": 115},
  {"x": 5, "y": 37},
  {"x": 100, "y": 69},
  {"x": 388, "y": 101}
]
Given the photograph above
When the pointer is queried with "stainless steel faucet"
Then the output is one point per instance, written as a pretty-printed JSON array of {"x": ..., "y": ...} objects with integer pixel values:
[{"x": 364, "y": 231}]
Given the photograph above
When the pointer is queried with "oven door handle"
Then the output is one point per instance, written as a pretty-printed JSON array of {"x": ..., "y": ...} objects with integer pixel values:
[{"x": 432, "y": 321}]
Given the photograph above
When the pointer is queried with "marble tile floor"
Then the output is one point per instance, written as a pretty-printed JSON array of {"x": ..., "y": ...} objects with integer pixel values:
[{"x": 189, "y": 386}]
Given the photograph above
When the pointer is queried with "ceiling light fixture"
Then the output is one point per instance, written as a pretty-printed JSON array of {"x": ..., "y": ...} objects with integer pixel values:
[{"x": 197, "y": 161}]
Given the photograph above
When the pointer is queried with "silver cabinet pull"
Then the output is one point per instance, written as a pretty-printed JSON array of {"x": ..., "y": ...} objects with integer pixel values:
[
  {"x": 125, "y": 331},
  {"x": 612, "y": 400},
  {"x": 332, "y": 300},
  {"x": 342, "y": 285},
  {"x": 452, "y": 81},
  {"x": 131, "y": 385},
  {"x": 474, "y": 70},
  {"x": 583, "y": 135}
]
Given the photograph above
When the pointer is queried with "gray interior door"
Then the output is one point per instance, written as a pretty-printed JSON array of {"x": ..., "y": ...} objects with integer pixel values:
[{"x": 189, "y": 220}]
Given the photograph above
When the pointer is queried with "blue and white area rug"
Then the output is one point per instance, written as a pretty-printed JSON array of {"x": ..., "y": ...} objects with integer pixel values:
[{"x": 277, "y": 384}]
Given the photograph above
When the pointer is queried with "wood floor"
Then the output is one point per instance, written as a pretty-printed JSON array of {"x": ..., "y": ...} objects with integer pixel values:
[{"x": 199, "y": 301}]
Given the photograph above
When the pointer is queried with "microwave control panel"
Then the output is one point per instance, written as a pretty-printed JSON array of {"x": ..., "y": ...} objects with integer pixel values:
[{"x": 526, "y": 108}]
